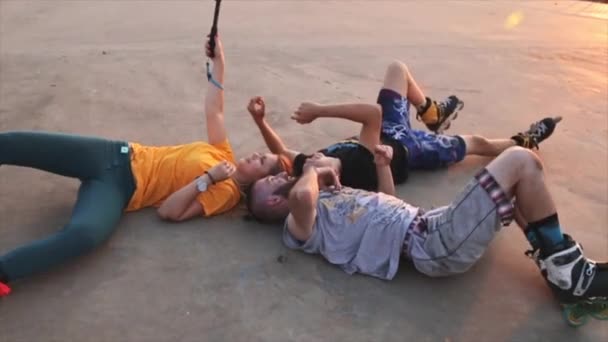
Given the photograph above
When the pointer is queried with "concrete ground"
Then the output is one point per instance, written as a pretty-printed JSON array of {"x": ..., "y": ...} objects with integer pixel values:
[{"x": 134, "y": 70}]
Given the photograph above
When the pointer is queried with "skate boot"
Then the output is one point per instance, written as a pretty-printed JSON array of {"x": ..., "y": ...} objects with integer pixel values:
[
  {"x": 580, "y": 284},
  {"x": 437, "y": 116},
  {"x": 538, "y": 132}
]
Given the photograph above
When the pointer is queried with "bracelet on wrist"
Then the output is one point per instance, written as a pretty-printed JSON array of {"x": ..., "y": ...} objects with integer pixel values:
[{"x": 210, "y": 177}]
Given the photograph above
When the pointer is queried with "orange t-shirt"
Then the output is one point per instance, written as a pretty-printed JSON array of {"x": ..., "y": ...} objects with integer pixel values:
[{"x": 161, "y": 171}]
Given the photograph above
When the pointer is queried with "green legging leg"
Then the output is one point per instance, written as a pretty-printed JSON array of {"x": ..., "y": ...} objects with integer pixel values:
[{"x": 104, "y": 168}]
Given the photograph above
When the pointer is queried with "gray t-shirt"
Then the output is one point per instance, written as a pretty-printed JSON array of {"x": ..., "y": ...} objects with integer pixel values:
[{"x": 359, "y": 231}]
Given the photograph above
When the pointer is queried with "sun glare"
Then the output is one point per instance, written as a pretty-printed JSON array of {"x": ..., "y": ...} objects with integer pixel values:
[{"x": 513, "y": 20}]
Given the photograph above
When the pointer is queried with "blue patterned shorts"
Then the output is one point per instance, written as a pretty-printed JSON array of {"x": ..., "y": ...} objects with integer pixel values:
[{"x": 426, "y": 150}]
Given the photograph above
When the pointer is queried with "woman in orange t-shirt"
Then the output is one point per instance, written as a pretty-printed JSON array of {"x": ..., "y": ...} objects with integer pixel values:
[{"x": 182, "y": 181}]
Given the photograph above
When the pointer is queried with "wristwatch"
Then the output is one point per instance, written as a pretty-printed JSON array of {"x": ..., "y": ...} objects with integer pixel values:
[{"x": 201, "y": 184}]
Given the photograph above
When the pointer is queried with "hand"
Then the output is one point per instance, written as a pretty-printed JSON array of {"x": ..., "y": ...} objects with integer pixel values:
[
  {"x": 317, "y": 160},
  {"x": 306, "y": 113},
  {"x": 326, "y": 176},
  {"x": 257, "y": 108},
  {"x": 383, "y": 154},
  {"x": 219, "y": 50},
  {"x": 221, "y": 171}
]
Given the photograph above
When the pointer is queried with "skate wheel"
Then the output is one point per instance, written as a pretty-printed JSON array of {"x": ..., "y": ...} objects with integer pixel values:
[
  {"x": 602, "y": 316},
  {"x": 574, "y": 317},
  {"x": 601, "y": 312}
]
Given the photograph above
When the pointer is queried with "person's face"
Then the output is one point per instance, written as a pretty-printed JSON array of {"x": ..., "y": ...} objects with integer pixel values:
[
  {"x": 270, "y": 195},
  {"x": 272, "y": 185},
  {"x": 257, "y": 165}
]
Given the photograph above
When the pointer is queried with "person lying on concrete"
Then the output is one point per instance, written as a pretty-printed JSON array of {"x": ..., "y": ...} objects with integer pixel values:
[
  {"x": 371, "y": 233},
  {"x": 183, "y": 181}
]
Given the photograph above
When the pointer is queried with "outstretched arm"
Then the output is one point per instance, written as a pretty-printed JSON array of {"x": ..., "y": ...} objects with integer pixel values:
[
  {"x": 214, "y": 100},
  {"x": 369, "y": 115},
  {"x": 257, "y": 109}
]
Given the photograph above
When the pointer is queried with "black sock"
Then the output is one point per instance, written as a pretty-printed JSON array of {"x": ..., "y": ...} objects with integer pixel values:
[
  {"x": 421, "y": 108},
  {"x": 545, "y": 234},
  {"x": 518, "y": 140}
]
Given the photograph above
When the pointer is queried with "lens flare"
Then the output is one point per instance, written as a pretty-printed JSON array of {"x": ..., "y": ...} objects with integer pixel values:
[{"x": 513, "y": 20}]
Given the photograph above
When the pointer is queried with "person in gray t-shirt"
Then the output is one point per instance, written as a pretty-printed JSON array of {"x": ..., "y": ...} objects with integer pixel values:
[{"x": 368, "y": 232}]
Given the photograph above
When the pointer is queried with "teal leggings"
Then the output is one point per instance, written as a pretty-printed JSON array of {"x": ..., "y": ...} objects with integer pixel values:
[{"x": 104, "y": 168}]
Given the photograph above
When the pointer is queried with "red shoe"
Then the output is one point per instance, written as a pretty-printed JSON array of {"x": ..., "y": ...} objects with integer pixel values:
[{"x": 4, "y": 289}]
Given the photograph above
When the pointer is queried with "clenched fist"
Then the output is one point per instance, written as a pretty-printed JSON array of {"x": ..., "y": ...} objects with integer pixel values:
[
  {"x": 306, "y": 113},
  {"x": 221, "y": 171},
  {"x": 383, "y": 155},
  {"x": 257, "y": 108}
]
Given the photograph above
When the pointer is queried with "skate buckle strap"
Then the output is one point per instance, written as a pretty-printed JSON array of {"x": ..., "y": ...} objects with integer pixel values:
[
  {"x": 586, "y": 277},
  {"x": 560, "y": 266},
  {"x": 534, "y": 254},
  {"x": 561, "y": 270}
]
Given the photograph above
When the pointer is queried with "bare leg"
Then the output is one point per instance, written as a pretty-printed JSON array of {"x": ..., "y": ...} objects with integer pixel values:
[
  {"x": 480, "y": 146},
  {"x": 399, "y": 79},
  {"x": 519, "y": 172},
  {"x": 570, "y": 275},
  {"x": 434, "y": 115},
  {"x": 519, "y": 219}
]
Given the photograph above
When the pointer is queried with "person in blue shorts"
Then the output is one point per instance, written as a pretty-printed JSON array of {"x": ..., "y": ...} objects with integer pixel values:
[
  {"x": 387, "y": 124},
  {"x": 432, "y": 150}
]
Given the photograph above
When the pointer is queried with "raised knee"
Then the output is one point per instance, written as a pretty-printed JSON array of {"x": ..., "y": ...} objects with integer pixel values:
[
  {"x": 525, "y": 157},
  {"x": 397, "y": 67},
  {"x": 375, "y": 117}
]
